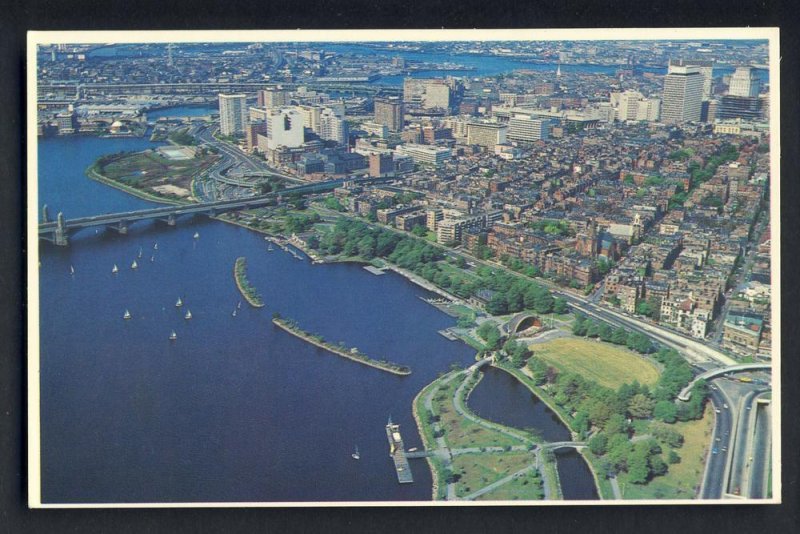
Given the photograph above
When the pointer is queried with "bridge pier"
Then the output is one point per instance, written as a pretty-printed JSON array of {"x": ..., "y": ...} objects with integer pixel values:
[
  {"x": 169, "y": 220},
  {"x": 121, "y": 227},
  {"x": 60, "y": 235}
]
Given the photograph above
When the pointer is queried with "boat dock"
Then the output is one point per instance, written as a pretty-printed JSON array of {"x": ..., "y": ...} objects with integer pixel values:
[{"x": 398, "y": 453}]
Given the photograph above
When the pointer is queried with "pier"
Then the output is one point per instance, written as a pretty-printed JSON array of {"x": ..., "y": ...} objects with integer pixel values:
[{"x": 398, "y": 453}]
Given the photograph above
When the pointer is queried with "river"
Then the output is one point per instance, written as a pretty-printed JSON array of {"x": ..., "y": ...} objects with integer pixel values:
[
  {"x": 234, "y": 409},
  {"x": 501, "y": 398}
]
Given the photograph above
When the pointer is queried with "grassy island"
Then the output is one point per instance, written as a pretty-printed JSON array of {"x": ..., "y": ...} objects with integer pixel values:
[
  {"x": 247, "y": 291},
  {"x": 351, "y": 354}
]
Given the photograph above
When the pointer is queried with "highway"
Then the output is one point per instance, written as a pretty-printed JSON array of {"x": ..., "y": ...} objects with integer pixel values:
[{"x": 714, "y": 476}]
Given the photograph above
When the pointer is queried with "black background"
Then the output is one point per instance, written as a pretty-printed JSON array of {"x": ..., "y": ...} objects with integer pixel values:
[{"x": 18, "y": 17}]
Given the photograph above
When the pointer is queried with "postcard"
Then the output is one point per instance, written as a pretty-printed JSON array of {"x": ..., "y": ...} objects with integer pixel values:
[{"x": 440, "y": 267}]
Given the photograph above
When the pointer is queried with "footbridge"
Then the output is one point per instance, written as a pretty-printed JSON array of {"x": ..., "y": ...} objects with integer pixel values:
[
  {"x": 686, "y": 393},
  {"x": 563, "y": 445},
  {"x": 59, "y": 231}
]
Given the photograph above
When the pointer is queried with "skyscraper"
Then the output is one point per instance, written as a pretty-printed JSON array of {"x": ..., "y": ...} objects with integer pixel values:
[
  {"x": 233, "y": 114},
  {"x": 705, "y": 67},
  {"x": 389, "y": 111},
  {"x": 744, "y": 82},
  {"x": 683, "y": 95}
]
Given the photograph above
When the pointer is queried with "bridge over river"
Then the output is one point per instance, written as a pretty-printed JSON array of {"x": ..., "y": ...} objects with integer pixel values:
[{"x": 58, "y": 231}]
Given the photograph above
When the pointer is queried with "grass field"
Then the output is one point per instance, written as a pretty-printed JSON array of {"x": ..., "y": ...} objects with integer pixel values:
[
  {"x": 528, "y": 487},
  {"x": 684, "y": 477},
  {"x": 609, "y": 365},
  {"x": 460, "y": 431},
  {"x": 480, "y": 470}
]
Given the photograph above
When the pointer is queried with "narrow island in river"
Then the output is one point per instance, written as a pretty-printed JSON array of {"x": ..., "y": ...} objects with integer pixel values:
[
  {"x": 349, "y": 353},
  {"x": 247, "y": 291}
]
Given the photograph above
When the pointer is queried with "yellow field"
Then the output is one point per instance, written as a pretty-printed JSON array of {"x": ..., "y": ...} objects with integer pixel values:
[{"x": 608, "y": 365}]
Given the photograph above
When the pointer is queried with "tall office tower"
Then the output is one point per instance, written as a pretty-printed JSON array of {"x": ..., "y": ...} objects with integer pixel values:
[
  {"x": 232, "y": 114},
  {"x": 437, "y": 95},
  {"x": 683, "y": 95},
  {"x": 706, "y": 68},
  {"x": 285, "y": 128},
  {"x": 332, "y": 128},
  {"x": 389, "y": 112},
  {"x": 628, "y": 105},
  {"x": 744, "y": 82},
  {"x": 486, "y": 134},
  {"x": 272, "y": 98},
  {"x": 527, "y": 129}
]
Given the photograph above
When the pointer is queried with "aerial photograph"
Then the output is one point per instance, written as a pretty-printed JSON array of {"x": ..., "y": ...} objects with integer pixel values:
[{"x": 343, "y": 268}]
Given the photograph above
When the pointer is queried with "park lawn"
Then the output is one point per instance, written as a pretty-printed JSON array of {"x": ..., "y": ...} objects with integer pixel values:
[
  {"x": 480, "y": 470},
  {"x": 683, "y": 478},
  {"x": 608, "y": 365},
  {"x": 460, "y": 432},
  {"x": 527, "y": 487}
]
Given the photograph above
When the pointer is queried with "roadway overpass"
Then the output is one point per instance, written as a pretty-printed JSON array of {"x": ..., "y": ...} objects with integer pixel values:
[{"x": 686, "y": 393}]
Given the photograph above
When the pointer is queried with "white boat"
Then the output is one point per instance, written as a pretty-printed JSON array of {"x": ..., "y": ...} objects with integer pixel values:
[
  {"x": 173, "y": 336},
  {"x": 412, "y": 449},
  {"x": 71, "y": 269},
  {"x": 270, "y": 247},
  {"x": 126, "y": 315},
  {"x": 134, "y": 265},
  {"x": 140, "y": 253},
  {"x": 115, "y": 269},
  {"x": 234, "y": 313},
  {"x": 152, "y": 258},
  {"x": 196, "y": 235},
  {"x": 356, "y": 455},
  {"x": 239, "y": 306},
  {"x": 179, "y": 303},
  {"x": 188, "y": 314},
  {"x": 155, "y": 246}
]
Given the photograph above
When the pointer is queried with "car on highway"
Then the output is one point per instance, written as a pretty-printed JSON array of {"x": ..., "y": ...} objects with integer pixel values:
[
  {"x": 714, "y": 450},
  {"x": 725, "y": 406}
]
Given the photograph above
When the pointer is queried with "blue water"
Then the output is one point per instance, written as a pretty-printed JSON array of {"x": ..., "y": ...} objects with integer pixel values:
[
  {"x": 502, "y": 398},
  {"x": 235, "y": 409}
]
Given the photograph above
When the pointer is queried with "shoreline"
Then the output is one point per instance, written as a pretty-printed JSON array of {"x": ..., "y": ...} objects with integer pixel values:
[
  {"x": 94, "y": 174},
  {"x": 435, "y": 485},
  {"x": 253, "y": 300},
  {"x": 305, "y": 336}
]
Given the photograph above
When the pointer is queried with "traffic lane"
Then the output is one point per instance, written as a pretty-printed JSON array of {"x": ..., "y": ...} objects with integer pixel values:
[
  {"x": 740, "y": 461},
  {"x": 715, "y": 466}
]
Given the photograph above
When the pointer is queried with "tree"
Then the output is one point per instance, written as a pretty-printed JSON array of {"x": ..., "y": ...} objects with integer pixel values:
[
  {"x": 419, "y": 231},
  {"x": 657, "y": 465},
  {"x": 579, "y": 326},
  {"x": 620, "y": 336},
  {"x": 641, "y": 406},
  {"x": 665, "y": 411},
  {"x": 638, "y": 469},
  {"x": 560, "y": 306},
  {"x": 616, "y": 424},
  {"x": 673, "y": 457},
  {"x": 538, "y": 370},
  {"x": 598, "y": 444}
]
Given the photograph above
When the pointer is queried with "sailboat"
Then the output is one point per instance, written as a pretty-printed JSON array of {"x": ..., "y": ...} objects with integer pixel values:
[
  {"x": 71, "y": 269},
  {"x": 179, "y": 303},
  {"x": 196, "y": 235},
  {"x": 356, "y": 455},
  {"x": 115, "y": 269},
  {"x": 173, "y": 336},
  {"x": 270, "y": 247},
  {"x": 155, "y": 246},
  {"x": 126, "y": 315},
  {"x": 234, "y": 313},
  {"x": 140, "y": 253},
  {"x": 188, "y": 315},
  {"x": 153, "y": 257},
  {"x": 239, "y": 306},
  {"x": 134, "y": 265}
]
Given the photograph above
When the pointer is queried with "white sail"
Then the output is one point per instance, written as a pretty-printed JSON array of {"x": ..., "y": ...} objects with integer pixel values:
[
  {"x": 179, "y": 303},
  {"x": 126, "y": 315},
  {"x": 115, "y": 268},
  {"x": 134, "y": 265},
  {"x": 188, "y": 314}
]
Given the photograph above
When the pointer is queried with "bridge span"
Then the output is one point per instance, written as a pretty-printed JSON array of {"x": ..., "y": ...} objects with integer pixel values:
[
  {"x": 58, "y": 231},
  {"x": 686, "y": 393}
]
